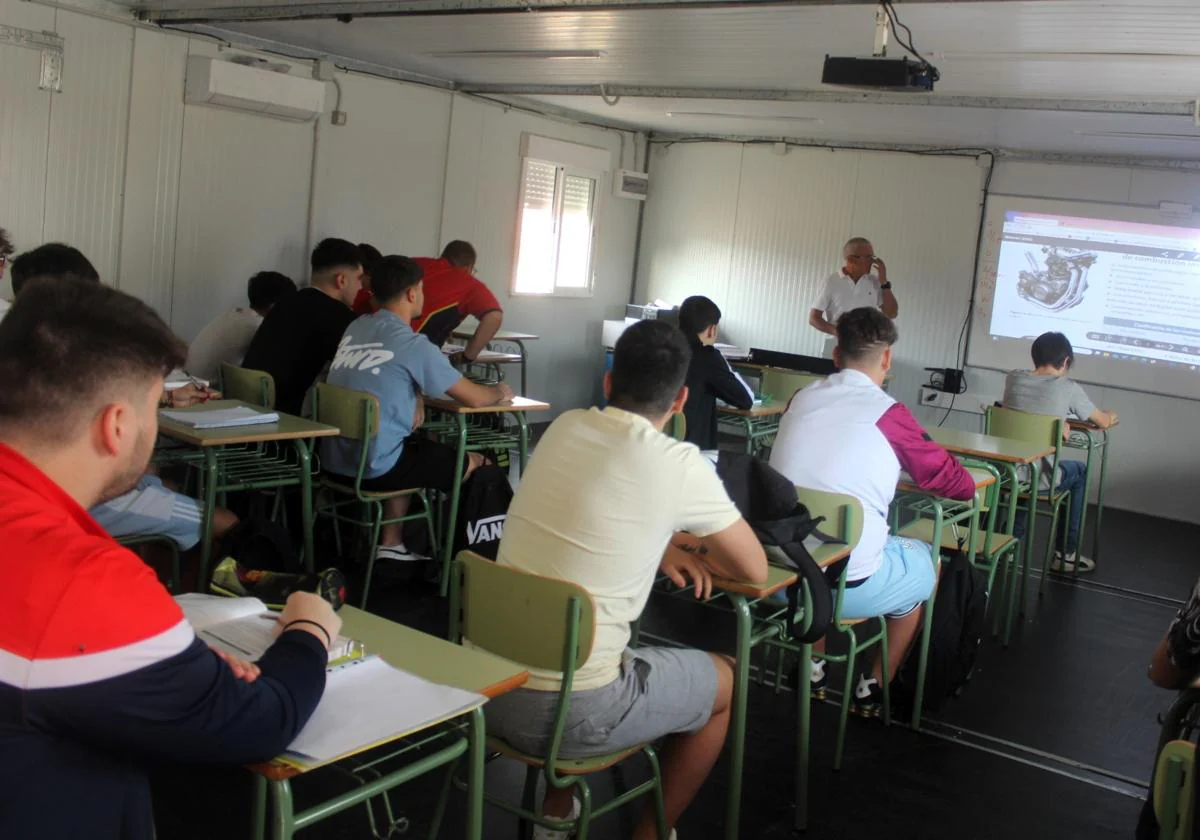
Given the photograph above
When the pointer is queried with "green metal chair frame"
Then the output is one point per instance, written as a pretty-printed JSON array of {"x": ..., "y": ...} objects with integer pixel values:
[
  {"x": 548, "y": 624},
  {"x": 1173, "y": 790},
  {"x": 256, "y": 387},
  {"x": 1039, "y": 429},
  {"x": 782, "y": 384},
  {"x": 356, "y": 414},
  {"x": 172, "y": 553}
]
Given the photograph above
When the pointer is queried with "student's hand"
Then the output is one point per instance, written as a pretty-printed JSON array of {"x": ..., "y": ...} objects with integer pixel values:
[
  {"x": 315, "y": 615},
  {"x": 505, "y": 392},
  {"x": 243, "y": 670},
  {"x": 880, "y": 268},
  {"x": 419, "y": 413},
  {"x": 681, "y": 565},
  {"x": 189, "y": 395}
]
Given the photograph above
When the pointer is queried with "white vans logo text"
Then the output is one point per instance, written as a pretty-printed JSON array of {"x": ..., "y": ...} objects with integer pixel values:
[{"x": 488, "y": 529}]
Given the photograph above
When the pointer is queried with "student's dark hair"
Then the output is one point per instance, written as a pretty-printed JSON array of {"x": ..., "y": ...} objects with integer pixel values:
[
  {"x": 650, "y": 363},
  {"x": 68, "y": 343},
  {"x": 6, "y": 244},
  {"x": 370, "y": 255},
  {"x": 54, "y": 259},
  {"x": 267, "y": 288},
  {"x": 1053, "y": 349},
  {"x": 698, "y": 313},
  {"x": 335, "y": 253},
  {"x": 459, "y": 253},
  {"x": 392, "y": 276},
  {"x": 864, "y": 332}
]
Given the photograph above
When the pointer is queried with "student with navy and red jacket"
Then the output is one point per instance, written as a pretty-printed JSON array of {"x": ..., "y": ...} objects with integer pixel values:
[
  {"x": 847, "y": 435},
  {"x": 99, "y": 670}
]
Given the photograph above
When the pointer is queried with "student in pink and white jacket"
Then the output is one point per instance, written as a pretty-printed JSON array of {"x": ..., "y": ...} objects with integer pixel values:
[{"x": 847, "y": 435}]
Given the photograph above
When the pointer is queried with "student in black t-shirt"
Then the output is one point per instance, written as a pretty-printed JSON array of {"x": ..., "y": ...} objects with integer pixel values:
[
  {"x": 709, "y": 376},
  {"x": 299, "y": 336}
]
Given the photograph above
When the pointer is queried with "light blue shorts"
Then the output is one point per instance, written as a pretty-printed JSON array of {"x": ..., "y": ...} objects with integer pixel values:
[
  {"x": 899, "y": 586},
  {"x": 151, "y": 510}
]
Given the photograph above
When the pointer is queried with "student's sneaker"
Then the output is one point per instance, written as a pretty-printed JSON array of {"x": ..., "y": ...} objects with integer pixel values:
[
  {"x": 540, "y": 832},
  {"x": 397, "y": 564},
  {"x": 233, "y": 579},
  {"x": 868, "y": 698},
  {"x": 818, "y": 679},
  {"x": 1067, "y": 564}
]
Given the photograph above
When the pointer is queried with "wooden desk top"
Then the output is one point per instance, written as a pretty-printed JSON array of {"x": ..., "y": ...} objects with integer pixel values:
[
  {"x": 780, "y": 577},
  {"x": 1088, "y": 426},
  {"x": 990, "y": 447},
  {"x": 765, "y": 410},
  {"x": 501, "y": 335},
  {"x": 515, "y": 404},
  {"x": 429, "y": 657},
  {"x": 983, "y": 478},
  {"x": 289, "y": 427}
]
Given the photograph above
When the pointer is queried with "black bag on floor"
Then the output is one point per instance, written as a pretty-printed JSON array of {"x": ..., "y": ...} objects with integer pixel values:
[
  {"x": 482, "y": 509},
  {"x": 259, "y": 559},
  {"x": 959, "y": 622},
  {"x": 260, "y": 543}
]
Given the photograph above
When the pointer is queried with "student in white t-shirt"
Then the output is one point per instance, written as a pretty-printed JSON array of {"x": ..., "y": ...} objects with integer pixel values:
[
  {"x": 603, "y": 504},
  {"x": 851, "y": 287},
  {"x": 227, "y": 336}
]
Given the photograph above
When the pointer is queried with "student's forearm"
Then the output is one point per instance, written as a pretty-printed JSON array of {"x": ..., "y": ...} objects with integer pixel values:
[
  {"x": 819, "y": 323},
  {"x": 891, "y": 306},
  {"x": 1163, "y": 672},
  {"x": 489, "y": 325}
]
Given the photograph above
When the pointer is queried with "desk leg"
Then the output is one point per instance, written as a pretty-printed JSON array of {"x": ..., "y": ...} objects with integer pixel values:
[
  {"x": 283, "y": 820},
  {"x": 1035, "y": 477},
  {"x": 304, "y": 465},
  {"x": 206, "y": 517},
  {"x": 923, "y": 660},
  {"x": 804, "y": 726},
  {"x": 521, "y": 345},
  {"x": 455, "y": 493},
  {"x": 258, "y": 808},
  {"x": 749, "y": 435},
  {"x": 523, "y": 452},
  {"x": 1099, "y": 500},
  {"x": 475, "y": 739},
  {"x": 737, "y": 743}
]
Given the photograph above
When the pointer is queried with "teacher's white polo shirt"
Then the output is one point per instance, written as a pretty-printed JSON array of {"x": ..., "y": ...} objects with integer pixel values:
[{"x": 839, "y": 295}]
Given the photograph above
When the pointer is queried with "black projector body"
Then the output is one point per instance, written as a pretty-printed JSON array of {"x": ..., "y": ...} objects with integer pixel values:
[{"x": 879, "y": 73}]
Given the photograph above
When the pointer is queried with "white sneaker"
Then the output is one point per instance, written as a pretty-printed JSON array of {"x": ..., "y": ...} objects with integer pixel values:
[
  {"x": 540, "y": 832},
  {"x": 397, "y": 553},
  {"x": 1067, "y": 564}
]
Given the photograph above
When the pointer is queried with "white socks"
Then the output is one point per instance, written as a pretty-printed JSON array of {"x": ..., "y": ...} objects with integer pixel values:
[{"x": 863, "y": 690}]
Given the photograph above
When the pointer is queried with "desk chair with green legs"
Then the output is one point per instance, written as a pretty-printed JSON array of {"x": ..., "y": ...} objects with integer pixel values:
[
  {"x": 782, "y": 385},
  {"x": 548, "y": 624},
  {"x": 256, "y": 387},
  {"x": 356, "y": 414},
  {"x": 1040, "y": 429},
  {"x": 1173, "y": 790}
]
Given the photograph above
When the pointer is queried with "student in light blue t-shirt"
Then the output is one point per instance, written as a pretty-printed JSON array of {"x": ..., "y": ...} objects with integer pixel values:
[{"x": 381, "y": 354}]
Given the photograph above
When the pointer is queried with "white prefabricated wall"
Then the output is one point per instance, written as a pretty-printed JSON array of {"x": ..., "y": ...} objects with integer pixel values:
[
  {"x": 180, "y": 204},
  {"x": 758, "y": 232}
]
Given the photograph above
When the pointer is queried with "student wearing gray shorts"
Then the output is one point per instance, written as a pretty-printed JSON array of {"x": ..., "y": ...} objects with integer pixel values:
[{"x": 607, "y": 502}]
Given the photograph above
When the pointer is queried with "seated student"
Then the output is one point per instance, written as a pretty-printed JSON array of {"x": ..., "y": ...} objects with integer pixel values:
[
  {"x": 452, "y": 292},
  {"x": 1047, "y": 390},
  {"x": 227, "y": 336},
  {"x": 847, "y": 435},
  {"x": 364, "y": 304},
  {"x": 101, "y": 671},
  {"x": 381, "y": 354},
  {"x": 51, "y": 259},
  {"x": 600, "y": 504},
  {"x": 299, "y": 336},
  {"x": 709, "y": 375},
  {"x": 6, "y": 251}
]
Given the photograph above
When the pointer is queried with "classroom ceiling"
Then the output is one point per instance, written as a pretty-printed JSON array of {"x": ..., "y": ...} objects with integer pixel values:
[{"x": 1016, "y": 74}]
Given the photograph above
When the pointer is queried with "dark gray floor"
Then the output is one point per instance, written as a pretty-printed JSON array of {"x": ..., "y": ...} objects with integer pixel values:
[{"x": 1071, "y": 686}]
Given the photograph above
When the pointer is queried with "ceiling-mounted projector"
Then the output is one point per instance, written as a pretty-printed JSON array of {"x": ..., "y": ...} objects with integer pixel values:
[{"x": 879, "y": 73}]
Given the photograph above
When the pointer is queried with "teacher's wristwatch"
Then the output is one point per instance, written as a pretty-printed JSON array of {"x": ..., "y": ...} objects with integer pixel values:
[{"x": 885, "y": 286}]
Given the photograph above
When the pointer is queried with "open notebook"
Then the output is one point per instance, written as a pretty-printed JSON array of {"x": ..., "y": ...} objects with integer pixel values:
[
  {"x": 367, "y": 703},
  {"x": 222, "y": 418},
  {"x": 243, "y": 627}
]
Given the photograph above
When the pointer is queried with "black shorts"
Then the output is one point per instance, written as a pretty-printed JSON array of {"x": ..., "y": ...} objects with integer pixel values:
[{"x": 423, "y": 463}]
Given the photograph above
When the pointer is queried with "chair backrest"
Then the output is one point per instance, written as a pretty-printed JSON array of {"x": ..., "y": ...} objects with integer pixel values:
[
  {"x": 843, "y": 513},
  {"x": 781, "y": 385},
  {"x": 355, "y": 413},
  {"x": 256, "y": 387},
  {"x": 1174, "y": 790},
  {"x": 677, "y": 427},
  {"x": 523, "y": 617},
  {"x": 1041, "y": 429}
]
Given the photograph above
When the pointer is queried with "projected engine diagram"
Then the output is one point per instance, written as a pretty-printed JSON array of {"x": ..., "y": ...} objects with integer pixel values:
[{"x": 1059, "y": 281}]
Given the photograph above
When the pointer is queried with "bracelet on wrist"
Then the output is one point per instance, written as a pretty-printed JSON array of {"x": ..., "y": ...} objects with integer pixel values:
[{"x": 324, "y": 632}]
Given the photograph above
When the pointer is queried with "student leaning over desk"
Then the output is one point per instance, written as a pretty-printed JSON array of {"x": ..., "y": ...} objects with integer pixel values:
[{"x": 99, "y": 671}]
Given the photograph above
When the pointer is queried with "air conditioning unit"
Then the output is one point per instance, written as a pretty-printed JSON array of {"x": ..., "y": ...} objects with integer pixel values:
[
  {"x": 225, "y": 84},
  {"x": 629, "y": 184}
]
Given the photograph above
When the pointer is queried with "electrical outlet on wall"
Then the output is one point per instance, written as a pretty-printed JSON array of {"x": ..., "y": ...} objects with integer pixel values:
[{"x": 338, "y": 118}]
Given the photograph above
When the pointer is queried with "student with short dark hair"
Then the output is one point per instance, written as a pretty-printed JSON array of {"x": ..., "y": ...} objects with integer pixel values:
[
  {"x": 452, "y": 292},
  {"x": 381, "y": 354},
  {"x": 6, "y": 251},
  {"x": 99, "y": 670},
  {"x": 1047, "y": 390},
  {"x": 710, "y": 378},
  {"x": 847, "y": 435},
  {"x": 299, "y": 336},
  {"x": 364, "y": 304},
  {"x": 52, "y": 259},
  {"x": 602, "y": 504},
  {"x": 227, "y": 336}
]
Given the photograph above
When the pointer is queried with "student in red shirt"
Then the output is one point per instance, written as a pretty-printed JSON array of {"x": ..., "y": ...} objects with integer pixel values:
[{"x": 452, "y": 292}]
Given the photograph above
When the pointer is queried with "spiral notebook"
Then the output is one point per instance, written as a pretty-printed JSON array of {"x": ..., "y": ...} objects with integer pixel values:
[{"x": 367, "y": 703}]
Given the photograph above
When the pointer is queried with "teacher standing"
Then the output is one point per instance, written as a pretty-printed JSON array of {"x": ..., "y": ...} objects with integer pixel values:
[{"x": 853, "y": 286}]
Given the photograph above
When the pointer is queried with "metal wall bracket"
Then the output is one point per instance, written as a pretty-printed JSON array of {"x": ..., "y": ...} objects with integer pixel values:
[{"x": 48, "y": 44}]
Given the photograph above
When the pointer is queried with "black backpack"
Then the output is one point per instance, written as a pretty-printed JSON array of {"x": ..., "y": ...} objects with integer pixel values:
[
  {"x": 959, "y": 622},
  {"x": 260, "y": 543},
  {"x": 482, "y": 509}
]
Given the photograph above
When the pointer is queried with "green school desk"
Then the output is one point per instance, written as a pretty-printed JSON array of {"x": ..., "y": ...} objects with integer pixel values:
[
  {"x": 757, "y": 423},
  {"x": 517, "y": 338},
  {"x": 243, "y": 458},
  {"x": 433, "y": 659}
]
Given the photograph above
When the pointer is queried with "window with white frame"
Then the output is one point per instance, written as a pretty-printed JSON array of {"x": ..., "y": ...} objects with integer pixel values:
[{"x": 556, "y": 224}]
